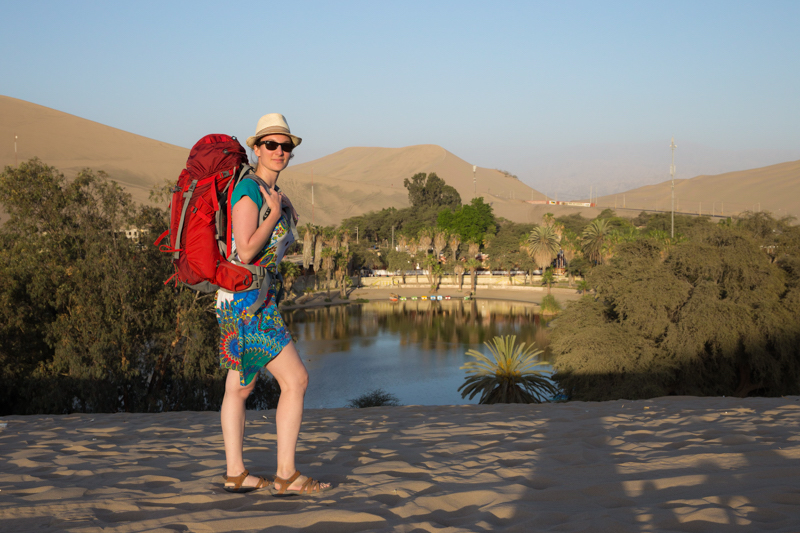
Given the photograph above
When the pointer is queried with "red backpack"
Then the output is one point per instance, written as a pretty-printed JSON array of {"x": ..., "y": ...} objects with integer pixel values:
[{"x": 200, "y": 220}]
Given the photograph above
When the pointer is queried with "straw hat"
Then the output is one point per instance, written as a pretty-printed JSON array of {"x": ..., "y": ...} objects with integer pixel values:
[{"x": 269, "y": 124}]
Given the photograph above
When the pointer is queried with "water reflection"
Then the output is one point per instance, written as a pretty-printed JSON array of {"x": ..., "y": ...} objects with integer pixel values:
[{"x": 412, "y": 349}]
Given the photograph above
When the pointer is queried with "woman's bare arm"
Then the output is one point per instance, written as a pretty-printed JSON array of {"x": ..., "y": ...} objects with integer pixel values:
[{"x": 250, "y": 237}]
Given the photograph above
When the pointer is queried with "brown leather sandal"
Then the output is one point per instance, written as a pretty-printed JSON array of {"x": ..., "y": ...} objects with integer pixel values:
[
  {"x": 310, "y": 487},
  {"x": 234, "y": 483}
]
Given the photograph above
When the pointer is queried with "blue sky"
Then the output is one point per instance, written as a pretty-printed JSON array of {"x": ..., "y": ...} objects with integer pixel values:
[{"x": 501, "y": 87}]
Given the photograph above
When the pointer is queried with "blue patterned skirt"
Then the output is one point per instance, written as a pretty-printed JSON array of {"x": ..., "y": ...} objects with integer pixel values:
[{"x": 248, "y": 345}]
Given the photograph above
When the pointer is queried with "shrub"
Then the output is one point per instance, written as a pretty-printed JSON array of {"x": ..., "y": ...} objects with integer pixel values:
[
  {"x": 510, "y": 377},
  {"x": 550, "y": 305},
  {"x": 375, "y": 398}
]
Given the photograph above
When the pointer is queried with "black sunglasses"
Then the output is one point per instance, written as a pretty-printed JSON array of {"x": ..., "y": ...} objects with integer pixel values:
[{"x": 272, "y": 145}]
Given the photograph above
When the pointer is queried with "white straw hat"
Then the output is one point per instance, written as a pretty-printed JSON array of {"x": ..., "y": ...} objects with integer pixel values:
[{"x": 269, "y": 124}]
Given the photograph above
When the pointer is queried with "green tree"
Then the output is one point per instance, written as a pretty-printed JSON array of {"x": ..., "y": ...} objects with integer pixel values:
[
  {"x": 429, "y": 190},
  {"x": 509, "y": 376},
  {"x": 548, "y": 278},
  {"x": 86, "y": 322},
  {"x": 471, "y": 221},
  {"x": 713, "y": 317}
]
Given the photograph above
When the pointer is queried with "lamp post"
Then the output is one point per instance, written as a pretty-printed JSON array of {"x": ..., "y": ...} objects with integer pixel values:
[{"x": 672, "y": 173}]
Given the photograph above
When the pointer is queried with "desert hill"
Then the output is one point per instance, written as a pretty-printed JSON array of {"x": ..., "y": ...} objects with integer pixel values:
[
  {"x": 71, "y": 144},
  {"x": 357, "y": 180},
  {"x": 350, "y": 182},
  {"x": 775, "y": 188}
]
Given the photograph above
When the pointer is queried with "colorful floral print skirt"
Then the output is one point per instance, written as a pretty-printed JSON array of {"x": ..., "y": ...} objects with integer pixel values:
[{"x": 247, "y": 346}]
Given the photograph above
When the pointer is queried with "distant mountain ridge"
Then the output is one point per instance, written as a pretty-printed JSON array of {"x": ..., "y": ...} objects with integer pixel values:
[{"x": 357, "y": 180}]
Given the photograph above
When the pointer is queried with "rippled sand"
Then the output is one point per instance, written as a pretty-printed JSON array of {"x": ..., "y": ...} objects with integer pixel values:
[{"x": 670, "y": 464}]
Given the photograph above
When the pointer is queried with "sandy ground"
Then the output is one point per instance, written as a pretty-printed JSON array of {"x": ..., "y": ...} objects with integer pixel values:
[{"x": 670, "y": 464}]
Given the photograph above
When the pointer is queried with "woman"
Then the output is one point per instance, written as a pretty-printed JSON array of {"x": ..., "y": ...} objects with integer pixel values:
[{"x": 248, "y": 343}]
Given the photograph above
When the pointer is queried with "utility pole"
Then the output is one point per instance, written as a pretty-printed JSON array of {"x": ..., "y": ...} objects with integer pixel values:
[
  {"x": 672, "y": 173},
  {"x": 392, "y": 237},
  {"x": 15, "y": 150},
  {"x": 474, "y": 182},
  {"x": 356, "y": 234},
  {"x": 312, "y": 196}
]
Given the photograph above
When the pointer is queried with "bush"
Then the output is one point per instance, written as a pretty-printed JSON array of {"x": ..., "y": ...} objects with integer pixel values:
[
  {"x": 550, "y": 305},
  {"x": 375, "y": 398}
]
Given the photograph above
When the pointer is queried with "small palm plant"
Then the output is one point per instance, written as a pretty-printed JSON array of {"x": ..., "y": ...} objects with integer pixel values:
[{"x": 510, "y": 377}]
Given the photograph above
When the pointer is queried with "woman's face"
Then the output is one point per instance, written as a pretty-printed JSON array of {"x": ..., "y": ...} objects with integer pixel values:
[{"x": 277, "y": 159}]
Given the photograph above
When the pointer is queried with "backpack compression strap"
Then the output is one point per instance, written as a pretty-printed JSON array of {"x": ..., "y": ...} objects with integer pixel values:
[{"x": 186, "y": 197}]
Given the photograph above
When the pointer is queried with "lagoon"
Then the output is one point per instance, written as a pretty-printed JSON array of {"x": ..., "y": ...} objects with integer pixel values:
[{"x": 412, "y": 349}]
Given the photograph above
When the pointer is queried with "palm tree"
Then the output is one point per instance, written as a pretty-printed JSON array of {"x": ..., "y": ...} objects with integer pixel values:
[
  {"x": 459, "y": 271},
  {"x": 473, "y": 265},
  {"x": 402, "y": 243},
  {"x": 474, "y": 248},
  {"x": 308, "y": 244},
  {"x": 431, "y": 261},
  {"x": 290, "y": 272},
  {"x": 543, "y": 245},
  {"x": 345, "y": 235},
  {"x": 454, "y": 242},
  {"x": 332, "y": 239},
  {"x": 328, "y": 262},
  {"x": 425, "y": 239},
  {"x": 319, "y": 244},
  {"x": 507, "y": 377},
  {"x": 439, "y": 242},
  {"x": 342, "y": 264},
  {"x": 594, "y": 236}
]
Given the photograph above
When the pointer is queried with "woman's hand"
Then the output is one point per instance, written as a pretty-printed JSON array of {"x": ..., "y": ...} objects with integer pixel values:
[{"x": 274, "y": 200}]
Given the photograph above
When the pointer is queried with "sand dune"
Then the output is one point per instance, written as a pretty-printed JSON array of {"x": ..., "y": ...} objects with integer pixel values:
[
  {"x": 71, "y": 144},
  {"x": 669, "y": 464},
  {"x": 773, "y": 188},
  {"x": 348, "y": 183},
  {"x": 357, "y": 180}
]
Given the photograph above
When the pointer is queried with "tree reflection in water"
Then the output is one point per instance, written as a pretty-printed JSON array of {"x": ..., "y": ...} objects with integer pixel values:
[
  {"x": 433, "y": 326},
  {"x": 413, "y": 348}
]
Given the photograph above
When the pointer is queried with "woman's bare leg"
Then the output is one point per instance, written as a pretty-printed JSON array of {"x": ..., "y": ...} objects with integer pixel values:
[
  {"x": 232, "y": 417},
  {"x": 290, "y": 373}
]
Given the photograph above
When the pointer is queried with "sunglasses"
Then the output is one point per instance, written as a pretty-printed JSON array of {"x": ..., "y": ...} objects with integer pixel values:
[{"x": 272, "y": 146}]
